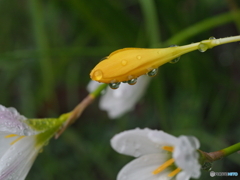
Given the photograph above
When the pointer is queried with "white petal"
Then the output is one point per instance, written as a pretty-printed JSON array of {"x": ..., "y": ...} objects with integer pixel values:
[
  {"x": 119, "y": 101},
  {"x": 142, "y": 168},
  {"x": 186, "y": 155},
  {"x": 163, "y": 138},
  {"x": 18, "y": 159},
  {"x": 11, "y": 121},
  {"x": 182, "y": 176},
  {"x": 135, "y": 143},
  {"x": 4, "y": 143},
  {"x": 92, "y": 85}
]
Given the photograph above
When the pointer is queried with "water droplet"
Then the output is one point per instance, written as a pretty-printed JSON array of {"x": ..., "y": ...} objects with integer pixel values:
[
  {"x": 139, "y": 57},
  {"x": 211, "y": 38},
  {"x": 132, "y": 81},
  {"x": 98, "y": 74},
  {"x": 202, "y": 47},
  {"x": 152, "y": 72},
  {"x": 173, "y": 45},
  {"x": 175, "y": 60},
  {"x": 114, "y": 85},
  {"x": 124, "y": 62},
  {"x": 207, "y": 166}
]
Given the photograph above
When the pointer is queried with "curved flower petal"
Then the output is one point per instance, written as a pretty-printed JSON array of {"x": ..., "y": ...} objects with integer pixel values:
[
  {"x": 122, "y": 100},
  {"x": 135, "y": 143},
  {"x": 174, "y": 157},
  {"x": 142, "y": 168},
  {"x": 186, "y": 156},
  {"x": 119, "y": 101},
  {"x": 11, "y": 121},
  {"x": 163, "y": 138},
  {"x": 18, "y": 159},
  {"x": 183, "y": 176},
  {"x": 21, "y": 139}
]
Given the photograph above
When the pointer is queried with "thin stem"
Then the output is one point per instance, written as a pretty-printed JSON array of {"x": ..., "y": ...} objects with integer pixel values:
[
  {"x": 202, "y": 26},
  {"x": 78, "y": 110},
  {"x": 216, "y": 155},
  {"x": 231, "y": 149},
  {"x": 98, "y": 91}
]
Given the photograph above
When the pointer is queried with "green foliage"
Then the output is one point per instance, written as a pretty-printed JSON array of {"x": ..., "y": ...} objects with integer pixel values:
[{"x": 48, "y": 48}]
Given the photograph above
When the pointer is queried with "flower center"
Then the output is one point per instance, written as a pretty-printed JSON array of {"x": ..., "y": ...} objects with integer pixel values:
[
  {"x": 167, "y": 164},
  {"x": 14, "y": 135}
]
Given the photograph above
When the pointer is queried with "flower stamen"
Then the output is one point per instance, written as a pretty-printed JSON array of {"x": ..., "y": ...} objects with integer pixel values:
[
  {"x": 173, "y": 173},
  {"x": 163, "y": 166},
  {"x": 10, "y": 135},
  {"x": 16, "y": 140},
  {"x": 13, "y": 135},
  {"x": 168, "y": 148}
]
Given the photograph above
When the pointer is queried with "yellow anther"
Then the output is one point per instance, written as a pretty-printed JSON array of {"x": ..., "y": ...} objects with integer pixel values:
[
  {"x": 163, "y": 166},
  {"x": 16, "y": 140},
  {"x": 173, "y": 173},
  {"x": 168, "y": 148},
  {"x": 10, "y": 135}
]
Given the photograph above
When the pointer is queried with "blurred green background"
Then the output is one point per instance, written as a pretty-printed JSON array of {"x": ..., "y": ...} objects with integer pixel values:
[{"x": 48, "y": 48}]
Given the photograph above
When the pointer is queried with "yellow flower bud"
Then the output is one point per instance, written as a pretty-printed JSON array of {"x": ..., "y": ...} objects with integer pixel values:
[{"x": 130, "y": 63}]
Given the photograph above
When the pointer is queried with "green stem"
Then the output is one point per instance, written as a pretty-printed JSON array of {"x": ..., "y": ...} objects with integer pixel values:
[
  {"x": 201, "y": 26},
  {"x": 216, "y": 155},
  {"x": 231, "y": 149},
  {"x": 98, "y": 90}
]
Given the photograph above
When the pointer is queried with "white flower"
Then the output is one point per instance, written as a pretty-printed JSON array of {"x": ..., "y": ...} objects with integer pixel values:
[
  {"x": 21, "y": 140},
  {"x": 119, "y": 101},
  {"x": 159, "y": 155}
]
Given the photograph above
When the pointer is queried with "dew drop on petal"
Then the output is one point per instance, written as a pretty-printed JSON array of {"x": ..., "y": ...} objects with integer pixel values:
[
  {"x": 124, "y": 62},
  {"x": 202, "y": 47},
  {"x": 98, "y": 74},
  {"x": 132, "y": 81},
  {"x": 139, "y": 57},
  {"x": 114, "y": 85},
  {"x": 175, "y": 60},
  {"x": 152, "y": 72},
  {"x": 173, "y": 45},
  {"x": 212, "y": 37}
]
